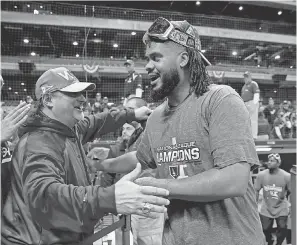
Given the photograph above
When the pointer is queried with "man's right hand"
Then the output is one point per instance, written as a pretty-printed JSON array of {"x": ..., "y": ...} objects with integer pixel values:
[
  {"x": 142, "y": 113},
  {"x": 131, "y": 198}
]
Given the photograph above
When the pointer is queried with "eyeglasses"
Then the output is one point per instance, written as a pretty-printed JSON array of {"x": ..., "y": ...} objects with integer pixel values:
[{"x": 162, "y": 29}]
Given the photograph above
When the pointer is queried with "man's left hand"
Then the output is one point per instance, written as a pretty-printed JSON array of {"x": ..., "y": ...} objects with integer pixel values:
[{"x": 142, "y": 113}]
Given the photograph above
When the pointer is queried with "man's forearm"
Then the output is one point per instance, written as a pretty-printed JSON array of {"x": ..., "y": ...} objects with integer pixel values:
[
  {"x": 122, "y": 164},
  {"x": 211, "y": 185}
]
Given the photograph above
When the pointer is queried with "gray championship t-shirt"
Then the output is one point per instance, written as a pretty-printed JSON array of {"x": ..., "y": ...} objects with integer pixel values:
[
  {"x": 275, "y": 187},
  {"x": 211, "y": 131}
]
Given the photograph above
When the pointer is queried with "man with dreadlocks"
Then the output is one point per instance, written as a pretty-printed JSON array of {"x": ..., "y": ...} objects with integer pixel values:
[{"x": 201, "y": 143}]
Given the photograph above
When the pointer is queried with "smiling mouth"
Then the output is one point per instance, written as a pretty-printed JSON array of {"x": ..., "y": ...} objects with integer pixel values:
[{"x": 154, "y": 79}]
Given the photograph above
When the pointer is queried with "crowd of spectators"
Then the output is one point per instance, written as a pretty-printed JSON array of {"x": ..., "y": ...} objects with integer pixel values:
[{"x": 277, "y": 121}]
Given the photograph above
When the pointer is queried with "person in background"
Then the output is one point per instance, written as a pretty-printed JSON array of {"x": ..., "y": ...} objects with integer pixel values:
[
  {"x": 250, "y": 94},
  {"x": 278, "y": 125},
  {"x": 105, "y": 105},
  {"x": 97, "y": 105},
  {"x": 286, "y": 115},
  {"x": 294, "y": 124},
  {"x": 133, "y": 82},
  {"x": 263, "y": 127},
  {"x": 270, "y": 112},
  {"x": 145, "y": 231},
  {"x": 275, "y": 183},
  {"x": 29, "y": 99}
]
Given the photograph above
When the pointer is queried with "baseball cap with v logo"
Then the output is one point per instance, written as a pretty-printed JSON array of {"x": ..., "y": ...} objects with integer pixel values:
[{"x": 60, "y": 79}]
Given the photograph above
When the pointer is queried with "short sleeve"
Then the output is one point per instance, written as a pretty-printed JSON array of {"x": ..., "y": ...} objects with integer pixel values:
[
  {"x": 255, "y": 88},
  {"x": 230, "y": 132},
  {"x": 144, "y": 153}
]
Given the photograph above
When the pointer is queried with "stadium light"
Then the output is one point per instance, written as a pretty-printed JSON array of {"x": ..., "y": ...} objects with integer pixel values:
[
  {"x": 77, "y": 55},
  {"x": 279, "y": 12},
  {"x": 277, "y": 57},
  {"x": 75, "y": 43},
  {"x": 133, "y": 33},
  {"x": 26, "y": 40},
  {"x": 115, "y": 45},
  {"x": 234, "y": 53},
  {"x": 98, "y": 40},
  {"x": 198, "y": 3},
  {"x": 33, "y": 53},
  {"x": 240, "y": 8}
]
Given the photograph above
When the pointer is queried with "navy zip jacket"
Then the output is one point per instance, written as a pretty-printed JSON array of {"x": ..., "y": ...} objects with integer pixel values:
[{"x": 51, "y": 200}]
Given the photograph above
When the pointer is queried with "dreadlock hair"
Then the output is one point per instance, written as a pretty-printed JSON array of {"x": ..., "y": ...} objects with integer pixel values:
[{"x": 199, "y": 78}]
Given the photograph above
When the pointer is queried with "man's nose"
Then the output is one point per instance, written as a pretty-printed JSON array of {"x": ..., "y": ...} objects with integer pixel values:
[
  {"x": 149, "y": 67},
  {"x": 81, "y": 98}
]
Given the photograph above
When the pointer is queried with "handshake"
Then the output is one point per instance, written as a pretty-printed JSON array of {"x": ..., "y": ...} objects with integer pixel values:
[{"x": 131, "y": 198}]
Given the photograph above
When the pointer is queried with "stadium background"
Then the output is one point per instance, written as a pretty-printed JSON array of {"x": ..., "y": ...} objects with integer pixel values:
[{"x": 93, "y": 39}]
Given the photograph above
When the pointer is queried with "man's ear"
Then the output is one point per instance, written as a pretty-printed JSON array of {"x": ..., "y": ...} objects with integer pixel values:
[
  {"x": 47, "y": 100},
  {"x": 184, "y": 59}
]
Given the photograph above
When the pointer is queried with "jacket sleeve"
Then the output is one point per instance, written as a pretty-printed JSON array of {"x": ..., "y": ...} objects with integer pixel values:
[
  {"x": 56, "y": 205},
  {"x": 95, "y": 126}
]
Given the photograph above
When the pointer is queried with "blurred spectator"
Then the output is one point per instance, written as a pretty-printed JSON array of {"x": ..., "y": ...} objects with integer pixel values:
[
  {"x": 270, "y": 112},
  {"x": 275, "y": 183},
  {"x": 145, "y": 231},
  {"x": 278, "y": 124},
  {"x": 105, "y": 105},
  {"x": 133, "y": 83},
  {"x": 250, "y": 94},
  {"x": 287, "y": 111},
  {"x": 263, "y": 127},
  {"x": 121, "y": 105},
  {"x": 261, "y": 106},
  {"x": 98, "y": 98},
  {"x": 97, "y": 106},
  {"x": 29, "y": 99},
  {"x": 293, "y": 122}
]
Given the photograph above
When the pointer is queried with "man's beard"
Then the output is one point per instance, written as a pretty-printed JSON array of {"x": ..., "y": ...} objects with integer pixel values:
[{"x": 169, "y": 82}]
